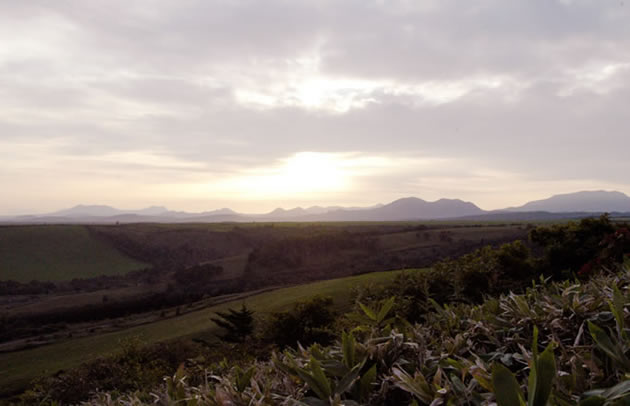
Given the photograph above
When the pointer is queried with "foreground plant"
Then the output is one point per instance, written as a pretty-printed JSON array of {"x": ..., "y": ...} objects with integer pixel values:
[
  {"x": 460, "y": 354},
  {"x": 540, "y": 382}
]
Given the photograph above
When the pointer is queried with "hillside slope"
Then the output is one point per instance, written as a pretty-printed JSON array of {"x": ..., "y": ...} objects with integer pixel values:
[
  {"x": 19, "y": 368},
  {"x": 58, "y": 253}
]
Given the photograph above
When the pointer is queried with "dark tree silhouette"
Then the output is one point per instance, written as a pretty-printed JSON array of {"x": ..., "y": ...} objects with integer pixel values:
[{"x": 238, "y": 324}]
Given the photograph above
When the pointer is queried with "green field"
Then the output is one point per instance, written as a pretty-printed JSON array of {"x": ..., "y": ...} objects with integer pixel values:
[
  {"x": 57, "y": 253},
  {"x": 17, "y": 369}
]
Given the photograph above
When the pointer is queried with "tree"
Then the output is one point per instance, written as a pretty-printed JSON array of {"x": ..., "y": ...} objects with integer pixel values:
[
  {"x": 567, "y": 247},
  {"x": 239, "y": 324},
  {"x": 309, "y": 322}
]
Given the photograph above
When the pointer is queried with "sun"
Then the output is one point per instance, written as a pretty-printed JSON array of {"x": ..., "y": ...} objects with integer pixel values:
[
  {"x": 304, "y": 174},
  {"x": 311, "y": 171}
]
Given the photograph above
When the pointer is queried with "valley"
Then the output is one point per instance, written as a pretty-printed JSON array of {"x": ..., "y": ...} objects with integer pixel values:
[{"x": 189, "y": 271}]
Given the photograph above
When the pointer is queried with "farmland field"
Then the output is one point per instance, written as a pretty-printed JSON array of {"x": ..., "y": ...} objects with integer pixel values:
[
  {"x": 57, "y": 253},
  {"x": 19, "y": 368}
]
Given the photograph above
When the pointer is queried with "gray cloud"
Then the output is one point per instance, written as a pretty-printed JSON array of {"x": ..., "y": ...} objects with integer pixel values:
[{"x": 537, "y": 90}]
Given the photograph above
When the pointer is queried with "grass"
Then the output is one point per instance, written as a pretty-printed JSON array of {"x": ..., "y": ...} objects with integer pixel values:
[
  {"x": 58, "y": 253},
  {"x": 19, "y": 368}
]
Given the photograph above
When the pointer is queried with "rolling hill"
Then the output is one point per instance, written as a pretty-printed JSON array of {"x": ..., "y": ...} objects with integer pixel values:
[{"x": 58, "y": 253}]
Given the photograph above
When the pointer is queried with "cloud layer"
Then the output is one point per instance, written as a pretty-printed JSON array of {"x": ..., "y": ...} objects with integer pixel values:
[{"x": 198, "y": 104}]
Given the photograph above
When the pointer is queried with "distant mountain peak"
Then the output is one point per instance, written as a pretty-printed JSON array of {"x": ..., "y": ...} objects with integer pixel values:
[
  {"x": 224, "y": 210},
  {"x": 407, "y": 208},
  {"x": 100, "y": 210},
  {"x": 582, "y": 201},
  {"x": 414, "y": 208},
  {"x": 408, "y": 199}
]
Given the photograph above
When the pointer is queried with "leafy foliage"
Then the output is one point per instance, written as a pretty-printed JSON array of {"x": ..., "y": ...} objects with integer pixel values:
[
  {"x": 308, "y": 322},
  {"x": 541, "y": 376},
  {"x": 462, "y": 354},
  {"x": 567, "y": 248}
]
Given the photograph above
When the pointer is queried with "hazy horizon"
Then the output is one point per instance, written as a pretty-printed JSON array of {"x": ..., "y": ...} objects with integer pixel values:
[
  {"x": 256, "y": 105},
  {"x": 267, "y": 209}
]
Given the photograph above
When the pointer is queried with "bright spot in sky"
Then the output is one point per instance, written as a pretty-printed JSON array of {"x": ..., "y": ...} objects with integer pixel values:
[{"x": 304, "y": 173}]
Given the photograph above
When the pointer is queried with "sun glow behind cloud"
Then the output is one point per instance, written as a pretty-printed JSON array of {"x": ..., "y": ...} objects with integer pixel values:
[
  {"x": 304, "y": 174},
  {"x": 301, "y": 82},
  {"x": 339, "y": 95},
  {"x": 316, "y": 177}
]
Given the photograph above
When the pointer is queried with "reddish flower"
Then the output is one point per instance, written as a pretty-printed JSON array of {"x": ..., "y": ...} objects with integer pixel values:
[{"x": 586, "y": 269}]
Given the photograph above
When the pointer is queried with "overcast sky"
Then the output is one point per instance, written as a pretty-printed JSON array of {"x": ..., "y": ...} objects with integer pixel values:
[{"x": 252, "y": 105}]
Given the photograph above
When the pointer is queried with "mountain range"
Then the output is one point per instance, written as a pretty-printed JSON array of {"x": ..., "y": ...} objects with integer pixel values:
[{"x": 571, "y": 205}]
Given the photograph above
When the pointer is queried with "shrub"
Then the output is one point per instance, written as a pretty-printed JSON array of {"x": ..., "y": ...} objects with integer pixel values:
[
  {"x": 136, "y": 367},
  {"x": 566, "y": 248},
  {"x": 448, "y": 359},
  {"x": 308, "y": 322}
]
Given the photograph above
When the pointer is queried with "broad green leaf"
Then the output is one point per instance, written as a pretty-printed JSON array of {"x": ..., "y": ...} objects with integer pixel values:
[
  {"x": 535, "y": 344},
  {"x": 620, "y": 390},
  {"x": 481, "y": 378},
  {"x": 334, "y": 367},
  {"x": 592, "y": 401},
  {"x": 532, "y": 380},
  {"x": 316, "y": 380},
  {"x": 506, "y": 389},
  {"x": 437, "y": 307},
  {"x": 616, "y": 307},
  {"x": 458, "y": 385},
  {"x": 545, "y": 373},
  {"x": 365, "y": 383},
  {"x": 368, "y": 312},
  {"x": 384, "y": 311},
  {"x": 243, "y": 378},
  {"x": 348, "y": 344},
  {"x": 603, "y": 341},
  {"x": 416, "y": 385},
  {"x": 348, "y": 380},
  {"x": 318, "y": 373}
]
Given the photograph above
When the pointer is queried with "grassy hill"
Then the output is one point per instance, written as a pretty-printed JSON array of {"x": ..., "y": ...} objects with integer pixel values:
[
  {"x": 17, "y": 369},
  {"x": 57, "y": 253}
]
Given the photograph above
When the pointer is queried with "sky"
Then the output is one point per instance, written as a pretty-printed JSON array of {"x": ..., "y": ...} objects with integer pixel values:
[{"x": 198, "y": 105}]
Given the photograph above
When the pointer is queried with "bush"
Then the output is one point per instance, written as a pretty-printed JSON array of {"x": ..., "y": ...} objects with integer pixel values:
[
  {"x": 136, "y": 367},
  {"x": 306, "y": 323},
  {"x": 566, "y": 248},
  {"x": 461, "y": 354}
]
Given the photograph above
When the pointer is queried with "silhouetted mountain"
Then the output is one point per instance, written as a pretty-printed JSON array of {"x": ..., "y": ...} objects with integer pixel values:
[
  {"x": 409, "y": 208},
  {"x": 149, "y": 211},
  {"x": 572, "y": 205},
  {"x": 87, "y": 210},
  {"x": 105, "y": 211},
  {"x": 585, "y": 201},
  {"x": 414, "y": 208},
  {"x": 281, "y": 213}
]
